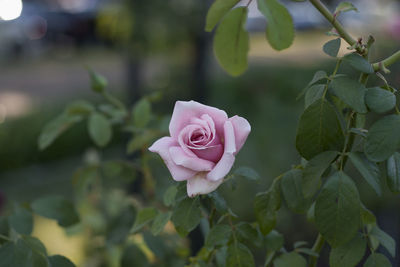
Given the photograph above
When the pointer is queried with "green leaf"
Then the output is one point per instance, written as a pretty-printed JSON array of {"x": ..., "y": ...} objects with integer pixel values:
[
  {"x": 274, "y": 241},
  {"x": 369, "y": 170},
  {"x": 367, "y": 216},
  {"x": 239, "y": 256},
  {"x": 383, "y": 138},
  {"x": 331, "y": 48},
  {"x": 380, "y": 100},
  {"x": 337, "y": 210},
  {"x": 231, "y": 42},
  {"x": 55, "y": 128},
  {"x": 298, "y": 244},
  {"x": 359, "y": 63},
  {"x": 265, "y": 206},
  {"x": 318, "y": 76},
  {"x": 140, "y": 140},
  {"x": 311, "y": 180},
  {"x": 314, "y": 93},
  {"x": 217, "y": 11},
  {"x": 219, "y": 202},
  {"x": 247, "y": 172},
  {"x": 384, "y": 239},
  {"x": 186, "y": 215},
  {"x": 319, "y": 130},
  {"x": 377, "y": 260},
  {"x": 133, "y": 257},
  {"x": 99, "y": 129},
  {"x": 160, "y": 221},
  {"x": 350, "y": 92},
  {"x": 344, "y": 7},
  {"x": 169, "y": 195},
  {"x": 311, "y": 213},
  {"x": 246, "y": 231},
  {"x": 219, "y": 235},
  {"x": 290, "y": 259},
  {"x": 141, "y": 113},
  {"x": 21, "y": 254},
  {"x": 393, "y": 172},
  {"x": 21, "y": 220},
  {"x": 119, "y": 226},
  {"x": 348, "y": 254},
  {"x": 307, "y": 251},
  {"x": 292, "y": 191},
  {"x": 57, "y": 208},
  {"x": 98, "y": 82},
  {"x": 280, "y": 28},
  {"x": 143, "y": 217},
  {"x": 80, "y": 108},
  {"x": 60, "y": 261}
]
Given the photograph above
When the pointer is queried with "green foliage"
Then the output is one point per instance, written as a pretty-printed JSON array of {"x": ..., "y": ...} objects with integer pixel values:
[
  {"x": 344, "y": 7},
  {"x": 21, "y": 220},
  {"x": 280, "y": 29},
  {"x": 265, "y": 206},
  {"x": 133, "y": 257},
  {"x": 393, "y": 172},
  {"x": 337, "y": 210},
  {"x": 217, "y": 11},
  {"x": 331, "y": 48},
  {"x": 55, "y": 128},
  {"x": 219, "y": 235},
  {"x": 141, "y": 113},
  {"x": 239, "y": 255},
  {"x": 311, "y": 179},
  {"x": 314, "y": 93},
  {"x": 98, "y": 82},
  {"x": 247, "y": 173},
  {"x": 377, "y": 260},
  {"x": 100, "y": 129},
  {"x": 380, "y": 100},
  {"x": 292, "y": 191},
  {"x": 383, "y": 138},
  {"x": 319, "y": 130},
  {"x": 348, "y": 254},
  {"x": 369, "y": 170},
  {"x": 359, "y": 63},
  {"x": 60, "y": 261},
  {"x": 57, "y": 208},
  {"x": 231, "y": 42},
  {"x": 186, "y": 215},
  {"x": 384, "y": 239},
  {"x": 350, "y": 92},
  {"x": 159, "y": 222},
  {"x": 290, "y": 259},
  {"x": 144, "y": 217}
]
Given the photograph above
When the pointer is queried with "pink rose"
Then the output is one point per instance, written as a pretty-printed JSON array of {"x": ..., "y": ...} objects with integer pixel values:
[{"x": 202, "y": 147}]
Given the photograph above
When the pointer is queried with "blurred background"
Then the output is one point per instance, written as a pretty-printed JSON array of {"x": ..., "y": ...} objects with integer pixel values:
[{"x": 143, "y": 47}]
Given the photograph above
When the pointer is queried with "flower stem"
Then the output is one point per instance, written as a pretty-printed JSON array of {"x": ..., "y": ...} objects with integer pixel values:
[
  {"x": 335, "y": 23},
  {"x": 319, "y": 243},
  {"x": 387, "y": 62}
]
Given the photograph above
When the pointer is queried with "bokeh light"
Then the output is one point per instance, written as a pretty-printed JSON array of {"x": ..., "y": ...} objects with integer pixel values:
[{"x": 10, "y": 9}]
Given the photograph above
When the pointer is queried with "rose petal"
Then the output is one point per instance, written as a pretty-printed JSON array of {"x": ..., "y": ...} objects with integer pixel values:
[
  {"x": 184, "y": 111},
  {"x": 242, "y": 129},
  {"x": 180, "y": 158},
  {"x": 211, "y": 153},
  {"x": 161, "y": 146},
  {"x": 226, "y": 162},
  {"x": 199, "y": 185}
]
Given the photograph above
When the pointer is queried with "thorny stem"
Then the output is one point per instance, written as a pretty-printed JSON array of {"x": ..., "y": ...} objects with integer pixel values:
[
  {"x": 387, "y": 62},
  {"x": 335, "y": 23},
  {"x": 349, "y": 39}
]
